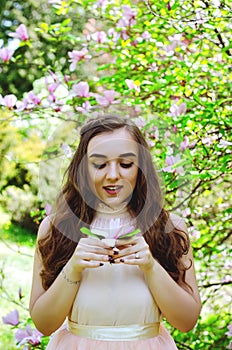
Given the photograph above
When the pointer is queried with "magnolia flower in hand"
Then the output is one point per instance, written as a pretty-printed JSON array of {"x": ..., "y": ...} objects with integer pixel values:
[{"x": 111, "y": 241}]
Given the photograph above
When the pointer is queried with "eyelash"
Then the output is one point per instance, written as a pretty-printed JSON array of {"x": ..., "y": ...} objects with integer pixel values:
[{"x": 123, "y": 165}]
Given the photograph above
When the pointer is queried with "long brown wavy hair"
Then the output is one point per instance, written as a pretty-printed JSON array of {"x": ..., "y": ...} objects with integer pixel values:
[{"x": 75, "y": 208}]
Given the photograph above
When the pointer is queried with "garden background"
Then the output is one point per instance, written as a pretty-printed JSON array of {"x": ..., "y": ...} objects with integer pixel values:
[{"x": 166, "y": 65}]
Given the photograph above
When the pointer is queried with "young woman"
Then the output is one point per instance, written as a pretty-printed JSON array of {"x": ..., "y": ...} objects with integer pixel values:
[{"x": 110, "y": 288}]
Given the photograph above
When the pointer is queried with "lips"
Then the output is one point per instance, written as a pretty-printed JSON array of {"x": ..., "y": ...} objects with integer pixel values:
[{"x": 112, "y": 189}]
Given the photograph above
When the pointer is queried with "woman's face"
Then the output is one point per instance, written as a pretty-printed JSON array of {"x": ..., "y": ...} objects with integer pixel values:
[{"x": 112, "y": 159}]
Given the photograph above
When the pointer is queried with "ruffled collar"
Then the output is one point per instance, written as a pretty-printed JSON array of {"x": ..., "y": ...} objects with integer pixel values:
[
  {"x": 112, "y": 222},
  {"x": 102, "y": 208}
]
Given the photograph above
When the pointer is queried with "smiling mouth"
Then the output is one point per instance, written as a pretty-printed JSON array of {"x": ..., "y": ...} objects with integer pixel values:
[{"x": 112, "y": 189}]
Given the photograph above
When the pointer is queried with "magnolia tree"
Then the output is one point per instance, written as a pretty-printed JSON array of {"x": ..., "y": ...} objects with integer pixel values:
[{"x": 167, "y": 65}]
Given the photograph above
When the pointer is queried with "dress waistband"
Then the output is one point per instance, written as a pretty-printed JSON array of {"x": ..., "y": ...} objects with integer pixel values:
[{"x": 128, "y": 332}]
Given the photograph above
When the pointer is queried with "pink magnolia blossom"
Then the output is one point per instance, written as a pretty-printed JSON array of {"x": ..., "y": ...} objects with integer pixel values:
[
  {"x": 177, "y": 110},
  {"x": 101, "y": 3},
  {"x": 146, "y": 35},
  {"x": 124, "y": 35},
  {"x": 113, "y": 34},
  {"x": 85, "y": 108},
  {"x": 133, "y": 84},
  {"x": 81, "y": 89},
  {"x": 141, "y": 122},
  {"x": 224, "y": 143},
  {"x": 48, "y": 209},
  {"x": 216, "y": 2},
  {"x": 76, "y": 56},
  {"x": 12, "y": 318},
  {"x": 175, "y": 129},
  {"x": 128, "y": 17},
  {"x": 171, "y": 161},
  {"x": 152, "y": 67},
  {"x": 116, "y": 230},
  {"x": 107, "y": 99},
  {"x": 66, "y": 78},
  {"x": 31, "y": 97},
  {"x": 29, "y": 102},
  {"x": 100, "y": 37},
  {"x": 184, "y": 144},
  {"x": 67, "y": 150},
  {"x": 52, "y": 87},
  {"x": 229, "y": 333},
  {"x": 20, "y": 33},
  {"x": 54, "y": 76},
  {"x": 6, "y": 54},
  {"x": 9, "y": 101},
  {"x": 28, "y": 336}
]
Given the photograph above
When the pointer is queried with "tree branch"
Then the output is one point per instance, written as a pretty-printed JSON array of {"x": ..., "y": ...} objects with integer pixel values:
[{"x": 209, "y": 285}]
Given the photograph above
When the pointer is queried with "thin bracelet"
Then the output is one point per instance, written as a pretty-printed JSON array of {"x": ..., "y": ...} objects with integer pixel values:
[{"x": 67, "y": 279}]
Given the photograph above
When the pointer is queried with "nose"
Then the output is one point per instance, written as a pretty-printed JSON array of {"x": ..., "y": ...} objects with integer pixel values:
[{"x": 112, "y": 171}]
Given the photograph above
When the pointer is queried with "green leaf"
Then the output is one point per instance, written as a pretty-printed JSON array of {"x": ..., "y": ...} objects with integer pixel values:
[
  {"x": 87, "y": 232},
  {"x": 130, "y": 234}
]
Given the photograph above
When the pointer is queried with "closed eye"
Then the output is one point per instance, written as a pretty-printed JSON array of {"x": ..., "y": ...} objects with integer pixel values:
[
  {"x": 126, "y": 165},
  {"x": 99, "y": 166},
  {"x": 123, "y": 165}
]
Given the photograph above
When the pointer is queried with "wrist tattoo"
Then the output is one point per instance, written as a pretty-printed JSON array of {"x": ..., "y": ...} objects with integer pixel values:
[{"x": 67, "y": 279}]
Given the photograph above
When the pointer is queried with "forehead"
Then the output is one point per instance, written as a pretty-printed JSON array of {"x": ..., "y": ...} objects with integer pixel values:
[{"x": 112, "y": 144}]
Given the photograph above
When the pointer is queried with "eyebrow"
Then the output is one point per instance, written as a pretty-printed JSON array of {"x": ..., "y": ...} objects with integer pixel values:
[{"x": 123, "y": 155}]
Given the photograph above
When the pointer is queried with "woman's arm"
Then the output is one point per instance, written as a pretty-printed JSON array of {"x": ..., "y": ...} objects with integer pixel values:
[
  {"x": 179, "y": 304},
  {"x": 181, "y": 307},
  {"x": 49, "y": 308}
]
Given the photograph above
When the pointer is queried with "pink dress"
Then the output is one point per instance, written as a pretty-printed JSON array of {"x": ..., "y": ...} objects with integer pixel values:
[{"x": 113, "y": 308}]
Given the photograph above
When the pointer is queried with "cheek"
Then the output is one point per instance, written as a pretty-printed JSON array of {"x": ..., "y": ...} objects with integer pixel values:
[
  {"x": 132, "y": 177},
  {"x": 94, "y": 177}
]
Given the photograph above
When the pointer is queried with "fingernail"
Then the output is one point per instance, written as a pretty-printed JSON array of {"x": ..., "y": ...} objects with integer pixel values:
[
  {"x": 101, "y": 264},
  {"x": 116, "y": 252},
  {"x": 122, "y": 260},
  {"x": 111, "y": 260}
]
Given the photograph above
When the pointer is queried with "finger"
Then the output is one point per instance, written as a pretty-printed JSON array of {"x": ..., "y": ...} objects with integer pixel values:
[
  {"x": 94, "y": 249},
  {"x": 126, "y": 242},
  {"x": 91, "y": 241},
  {"x": 129, "y": 250},
  {"x": 91, "y": 256},
  {"x": 132, "y": 259},
  {"x": 90, "y": 264}
]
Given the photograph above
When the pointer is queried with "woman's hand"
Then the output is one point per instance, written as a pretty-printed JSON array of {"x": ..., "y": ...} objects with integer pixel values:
[
  {"x": 134, "y": 251},
  {"x": 89, "y": 253}
]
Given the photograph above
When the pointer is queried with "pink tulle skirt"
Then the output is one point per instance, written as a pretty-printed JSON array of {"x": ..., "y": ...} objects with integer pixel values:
[{"x": 64, "y": 340}]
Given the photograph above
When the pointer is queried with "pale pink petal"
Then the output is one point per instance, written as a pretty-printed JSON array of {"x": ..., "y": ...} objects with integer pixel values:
[
  {"x": 110, "y": 95},
  {"x": 184, "y": 144},
  {"x": 86, "y": 106},
  {"x": 102, "y": 101},
  {"x": 6, "y": 54},
  {"x": 20, "y": 33},
  {"x": 10, "y": 101},
  {"x": 12, "y": 318},
  {"x": 48, "y": 209},
  {"x": 131, "y": 85},
  {"x": 100, "y": 37},
  {"x": 81, "y": 89}
]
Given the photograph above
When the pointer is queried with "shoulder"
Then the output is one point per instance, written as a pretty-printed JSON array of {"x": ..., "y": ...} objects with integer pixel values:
[
  {"x": 178, "y": 222},
  {"x": 44, "y": 227}
]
